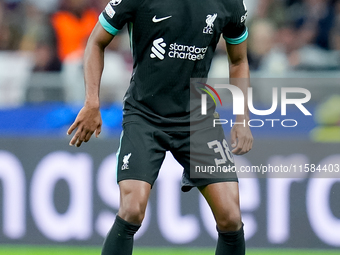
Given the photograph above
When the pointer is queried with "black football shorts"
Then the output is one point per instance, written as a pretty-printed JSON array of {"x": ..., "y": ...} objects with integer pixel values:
[{"x": 204, "y": 154}]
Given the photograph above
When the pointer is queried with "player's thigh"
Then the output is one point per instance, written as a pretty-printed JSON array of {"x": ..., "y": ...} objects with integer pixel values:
[
  {"x": 223, "y": 199},
  {"x": 134, "y": 195}
]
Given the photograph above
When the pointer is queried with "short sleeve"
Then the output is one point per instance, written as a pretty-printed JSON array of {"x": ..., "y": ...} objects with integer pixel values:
[
  {"x": 236, "y": 32},
  {"x": 117, "y": 13}
]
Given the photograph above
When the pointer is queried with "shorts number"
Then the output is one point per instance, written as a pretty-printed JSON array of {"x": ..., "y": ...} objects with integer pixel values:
[{"x": 223, "y": 151}]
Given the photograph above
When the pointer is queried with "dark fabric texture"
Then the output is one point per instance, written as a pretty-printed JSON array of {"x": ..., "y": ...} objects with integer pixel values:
[{"x": 119, "y": 240}]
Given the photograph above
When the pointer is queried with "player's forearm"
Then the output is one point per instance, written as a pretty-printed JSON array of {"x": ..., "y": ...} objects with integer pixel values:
[
  {"x": 239, "y": 76},
  {"x": 93, "y": 68}
]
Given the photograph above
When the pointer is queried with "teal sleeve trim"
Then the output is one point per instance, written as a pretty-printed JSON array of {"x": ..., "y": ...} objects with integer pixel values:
[
  {"x": 238, "y": 40},
  {"x": 107, "y": 26}
]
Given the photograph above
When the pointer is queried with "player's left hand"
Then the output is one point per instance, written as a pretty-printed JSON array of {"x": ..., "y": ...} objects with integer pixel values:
[{"x": 241, "y": 139}]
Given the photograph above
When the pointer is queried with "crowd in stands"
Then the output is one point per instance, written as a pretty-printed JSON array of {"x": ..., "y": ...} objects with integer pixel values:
[
  {"x": 55, "y": 33},
  {"x": 295, "y": 34},
  {"x": 52, "y": 29},
  {"x": 284, "y": 34}
]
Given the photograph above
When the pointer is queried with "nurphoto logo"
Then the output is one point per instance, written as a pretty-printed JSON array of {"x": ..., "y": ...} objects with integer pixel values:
[{"x": 239, "y": 104}]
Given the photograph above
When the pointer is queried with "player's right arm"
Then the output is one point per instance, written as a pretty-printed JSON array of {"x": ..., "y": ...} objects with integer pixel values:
[{"x": 89, "y": 119}]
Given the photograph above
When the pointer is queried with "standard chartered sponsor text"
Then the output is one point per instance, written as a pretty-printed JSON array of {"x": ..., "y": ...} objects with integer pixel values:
[{"x": 192, "y": 53}]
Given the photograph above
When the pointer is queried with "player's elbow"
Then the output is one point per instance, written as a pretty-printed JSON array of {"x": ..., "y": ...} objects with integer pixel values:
[
  {"x": 239, "y": 62},
  {"x": 239, "y": 69}
]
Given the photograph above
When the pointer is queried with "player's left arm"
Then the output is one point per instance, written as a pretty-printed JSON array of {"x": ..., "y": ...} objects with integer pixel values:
[{"x": 241, "y": 136}]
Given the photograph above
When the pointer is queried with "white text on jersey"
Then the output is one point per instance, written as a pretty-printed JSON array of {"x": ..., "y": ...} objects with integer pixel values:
[{"x": 178, "y": 51}]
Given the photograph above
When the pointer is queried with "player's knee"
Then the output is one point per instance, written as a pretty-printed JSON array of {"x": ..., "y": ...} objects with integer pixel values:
[
  {"x": 229, "y": 222},
  {"x": 133, "y": 213}
]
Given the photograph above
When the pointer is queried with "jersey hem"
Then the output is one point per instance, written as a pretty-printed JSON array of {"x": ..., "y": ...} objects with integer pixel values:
[{"x": 107, "y": 26}]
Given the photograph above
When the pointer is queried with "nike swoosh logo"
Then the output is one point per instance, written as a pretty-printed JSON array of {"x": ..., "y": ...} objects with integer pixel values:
[{"x": 155, "y": 20}]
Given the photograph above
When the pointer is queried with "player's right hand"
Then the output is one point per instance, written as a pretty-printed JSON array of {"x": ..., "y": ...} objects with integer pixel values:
[{"x": 87, "y": 122}]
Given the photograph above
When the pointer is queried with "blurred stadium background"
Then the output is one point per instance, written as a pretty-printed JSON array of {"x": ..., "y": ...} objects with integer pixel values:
[{"x": 60, "y": 200}]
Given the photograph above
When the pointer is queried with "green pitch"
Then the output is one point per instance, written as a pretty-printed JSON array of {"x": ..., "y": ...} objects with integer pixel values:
[{"x": 35, "y": 250}]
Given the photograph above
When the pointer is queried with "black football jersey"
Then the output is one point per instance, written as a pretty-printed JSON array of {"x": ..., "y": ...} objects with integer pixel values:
[{"x": 172, "y": 41}]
